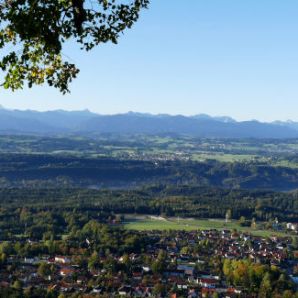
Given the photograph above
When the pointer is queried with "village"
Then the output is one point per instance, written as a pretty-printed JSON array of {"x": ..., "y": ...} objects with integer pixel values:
[{"x": 208, "y": 263}]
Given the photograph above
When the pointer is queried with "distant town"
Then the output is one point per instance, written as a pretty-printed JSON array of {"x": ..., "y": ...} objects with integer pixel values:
[{"x": 207, "y": 263}]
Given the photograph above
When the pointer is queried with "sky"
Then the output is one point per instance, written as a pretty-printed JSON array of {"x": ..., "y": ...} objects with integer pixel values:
[{"x": 219, "y": 57}]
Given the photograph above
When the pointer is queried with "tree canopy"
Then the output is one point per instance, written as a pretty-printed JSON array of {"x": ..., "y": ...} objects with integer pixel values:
[{"x": 32, "y": 34}]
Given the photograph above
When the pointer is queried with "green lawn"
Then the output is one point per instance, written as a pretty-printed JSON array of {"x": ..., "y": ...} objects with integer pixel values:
[
  {"x": 223, "y": 157},
  {"x": 146, "y": 223},
  {"x": 286, "y": 164}
]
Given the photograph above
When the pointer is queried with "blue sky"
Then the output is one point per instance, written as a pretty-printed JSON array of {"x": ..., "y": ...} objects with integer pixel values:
[{"x": 221, "y": 57}]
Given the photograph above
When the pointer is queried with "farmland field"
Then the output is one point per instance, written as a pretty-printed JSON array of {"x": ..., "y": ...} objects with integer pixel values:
[{"x": 147, "y": 223}]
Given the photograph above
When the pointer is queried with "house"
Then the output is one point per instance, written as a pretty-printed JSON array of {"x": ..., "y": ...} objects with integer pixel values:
[
  {"x": 66, "y": 271},
  {"x": 137, "y": 275},
  {"x": 188, "y": 270},
  {"x": 62, "y": 260},
  {"x": 82, "y": 280},
  {"x": 124, "y": 290},
  {"x": 292, "y": 226},
  {"x": 207, "y": 282},
  {"x": 32, "y": 261},
  {"x": 146, "y": 269},
  {"x": 98, "y": 290}
]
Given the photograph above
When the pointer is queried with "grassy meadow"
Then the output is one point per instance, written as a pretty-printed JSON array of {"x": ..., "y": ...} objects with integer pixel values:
[{"x": 147, "y": 223}]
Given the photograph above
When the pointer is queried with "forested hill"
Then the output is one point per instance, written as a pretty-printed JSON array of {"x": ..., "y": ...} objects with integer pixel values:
[
  {"x": 41, "y": 170},
  {"x": 86, "y": 123}
]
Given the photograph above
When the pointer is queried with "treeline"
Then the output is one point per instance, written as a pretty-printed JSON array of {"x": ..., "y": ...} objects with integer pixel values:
[
  {"x": 184, "y": 201},
  {"x": 41, "y": 170}
]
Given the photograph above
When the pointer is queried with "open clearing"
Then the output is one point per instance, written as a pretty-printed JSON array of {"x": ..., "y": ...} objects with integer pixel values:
[{"x": 147, "y": 223}]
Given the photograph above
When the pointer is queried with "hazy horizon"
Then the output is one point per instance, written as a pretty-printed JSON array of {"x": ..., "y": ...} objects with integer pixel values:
[{"x": 144, "y": 112}]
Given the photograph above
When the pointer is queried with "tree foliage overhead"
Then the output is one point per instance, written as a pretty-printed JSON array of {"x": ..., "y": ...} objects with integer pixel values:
[{"x": 32, "y": 34}]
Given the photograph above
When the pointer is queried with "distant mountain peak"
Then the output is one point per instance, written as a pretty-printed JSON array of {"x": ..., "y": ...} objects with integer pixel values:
[
  {"x": 138, "y": 114},
  {"x": 85, "y": 122},
  {"x": 225, "y": 119}
]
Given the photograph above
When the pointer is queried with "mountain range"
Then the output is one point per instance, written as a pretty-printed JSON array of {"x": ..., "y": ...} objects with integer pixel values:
[{"x": 86, "y": 123}]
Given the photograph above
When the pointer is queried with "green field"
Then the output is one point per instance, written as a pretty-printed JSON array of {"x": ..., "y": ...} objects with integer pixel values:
[
  {"x": 147, "y": 223},
  {"x": 286, "y": 164},
  {"x": 224, "y": 157}
]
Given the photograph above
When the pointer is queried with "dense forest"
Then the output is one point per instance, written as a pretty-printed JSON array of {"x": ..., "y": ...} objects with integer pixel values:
[
  {"x": 170, "y": 201},
  {"x": 42, "y": 170}
]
